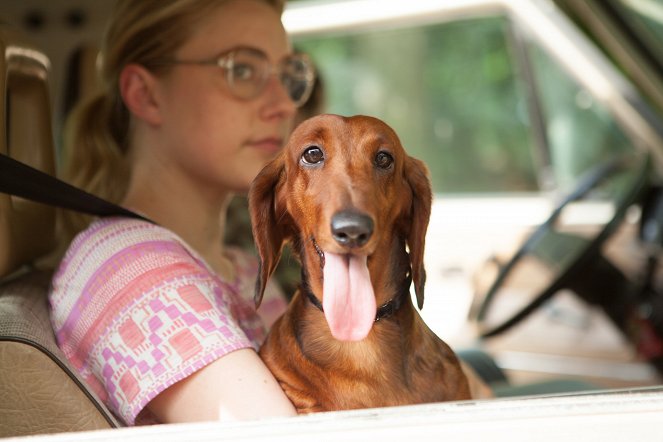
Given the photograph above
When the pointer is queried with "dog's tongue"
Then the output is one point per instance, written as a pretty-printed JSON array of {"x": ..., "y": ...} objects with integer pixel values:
[{"x": 347, "y": 298}]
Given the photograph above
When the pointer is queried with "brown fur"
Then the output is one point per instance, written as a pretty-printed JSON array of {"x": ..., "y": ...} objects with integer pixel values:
[{"x": 401, "y": 361}]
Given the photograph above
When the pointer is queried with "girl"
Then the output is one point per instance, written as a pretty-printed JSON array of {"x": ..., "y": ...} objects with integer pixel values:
[{"x": 199, "y": 95}]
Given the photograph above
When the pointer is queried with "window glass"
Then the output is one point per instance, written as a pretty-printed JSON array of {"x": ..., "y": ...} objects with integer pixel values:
[
  {"x": 580, "y": 132},
  {"x": 449, "y": 90},
  {"x": 646, "y": 19}
]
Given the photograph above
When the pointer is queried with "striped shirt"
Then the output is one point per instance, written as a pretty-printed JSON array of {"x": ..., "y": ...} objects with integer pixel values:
[{"x": 135, "y": 310}]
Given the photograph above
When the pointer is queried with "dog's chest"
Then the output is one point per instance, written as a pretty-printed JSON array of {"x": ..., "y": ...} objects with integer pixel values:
[{"x": 345, "y": 382}]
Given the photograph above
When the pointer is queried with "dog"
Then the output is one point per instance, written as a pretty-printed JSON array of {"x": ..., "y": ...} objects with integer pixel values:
[{"x": 355, "y": 207}]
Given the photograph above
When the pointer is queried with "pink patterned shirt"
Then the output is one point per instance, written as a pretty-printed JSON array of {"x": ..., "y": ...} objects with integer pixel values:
[{"x": 135, "y": 310}]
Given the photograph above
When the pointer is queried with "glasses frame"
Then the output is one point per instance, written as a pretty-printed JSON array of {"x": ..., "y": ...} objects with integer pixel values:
[{"x": 226, "y": 61}]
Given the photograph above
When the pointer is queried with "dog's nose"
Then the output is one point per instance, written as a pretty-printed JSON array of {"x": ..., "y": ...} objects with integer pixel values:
[{"x": 351, "y": 229}]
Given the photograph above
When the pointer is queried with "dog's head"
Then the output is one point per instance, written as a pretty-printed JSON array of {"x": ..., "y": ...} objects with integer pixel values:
[{"x": 347, "y": 192}]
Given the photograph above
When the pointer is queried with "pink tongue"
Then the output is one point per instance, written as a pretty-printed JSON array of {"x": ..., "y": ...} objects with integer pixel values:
[{"x": 347, "y": 297}]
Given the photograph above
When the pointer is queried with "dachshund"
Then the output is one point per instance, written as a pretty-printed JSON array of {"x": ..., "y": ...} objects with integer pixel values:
[{"x": 355, "y": 207}]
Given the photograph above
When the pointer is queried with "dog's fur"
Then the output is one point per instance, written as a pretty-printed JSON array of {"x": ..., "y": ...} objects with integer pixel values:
[{"x": 400, "y": 360}]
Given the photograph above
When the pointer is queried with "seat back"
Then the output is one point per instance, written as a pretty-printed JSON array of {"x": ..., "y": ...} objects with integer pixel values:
[
  {"x": 25, "y": 125},
  {"x": 40, "y": 391}
]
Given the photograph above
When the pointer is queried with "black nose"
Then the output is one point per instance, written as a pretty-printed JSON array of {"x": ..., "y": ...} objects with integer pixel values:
[{"x": 351, "y": 229}]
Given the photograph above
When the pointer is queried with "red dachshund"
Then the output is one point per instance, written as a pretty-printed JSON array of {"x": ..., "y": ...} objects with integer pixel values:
[{"x": 355, "y": 207}]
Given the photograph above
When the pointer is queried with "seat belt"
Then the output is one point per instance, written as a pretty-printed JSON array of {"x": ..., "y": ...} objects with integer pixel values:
[{"x": 19, "y": 179}]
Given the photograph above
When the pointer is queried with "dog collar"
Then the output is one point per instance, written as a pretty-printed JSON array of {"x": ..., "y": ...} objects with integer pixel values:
[{"x": 385, "y": 310}]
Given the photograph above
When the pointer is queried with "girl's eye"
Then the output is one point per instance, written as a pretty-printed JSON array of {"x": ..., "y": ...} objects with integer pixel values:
[
  {"x": 383, "y": 160},
  {"x": 243, "y": 72},
  {"x": 313, "y": 155}
]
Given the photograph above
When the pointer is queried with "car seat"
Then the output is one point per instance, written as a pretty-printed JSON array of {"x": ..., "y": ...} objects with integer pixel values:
[{"x": 41, "y": 392}]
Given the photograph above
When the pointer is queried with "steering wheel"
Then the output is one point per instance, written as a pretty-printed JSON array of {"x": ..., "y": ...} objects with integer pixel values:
[{"x": 572, "y": 262}]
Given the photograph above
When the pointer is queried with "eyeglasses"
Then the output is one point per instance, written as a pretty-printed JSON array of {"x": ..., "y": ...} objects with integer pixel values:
[{"x": 247, "y": 71}]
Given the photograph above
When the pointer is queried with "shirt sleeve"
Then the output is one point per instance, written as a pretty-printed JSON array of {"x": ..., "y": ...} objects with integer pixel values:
[{"x": 135, "y": 312}]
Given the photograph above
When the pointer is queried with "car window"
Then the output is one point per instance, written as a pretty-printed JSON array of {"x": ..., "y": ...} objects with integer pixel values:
[
  {"x": 449, "y": 90},
  {"x": 580, "y": 132},
  {"x": 646, "y": 19},
  {"x": 457, "y": 95}
]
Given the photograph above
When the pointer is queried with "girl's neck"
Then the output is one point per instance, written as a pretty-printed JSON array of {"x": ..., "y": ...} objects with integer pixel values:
[{"x": 196, "y": 218}]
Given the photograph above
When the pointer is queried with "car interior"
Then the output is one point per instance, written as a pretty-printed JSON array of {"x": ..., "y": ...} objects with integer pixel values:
[{"x": 42, "y": 392}]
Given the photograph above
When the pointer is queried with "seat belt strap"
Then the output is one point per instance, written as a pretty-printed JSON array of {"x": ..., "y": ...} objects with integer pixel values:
[{"x": 17, "y": 178}]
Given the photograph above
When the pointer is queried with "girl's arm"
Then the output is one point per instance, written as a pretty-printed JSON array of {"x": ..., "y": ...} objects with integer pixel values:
[{"x": 237, "y": 386}]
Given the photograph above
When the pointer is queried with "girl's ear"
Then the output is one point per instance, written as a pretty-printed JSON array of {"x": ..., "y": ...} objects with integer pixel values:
[{"x": 138, "y": 90}]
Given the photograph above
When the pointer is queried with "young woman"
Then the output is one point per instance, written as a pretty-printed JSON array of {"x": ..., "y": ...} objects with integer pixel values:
[{"x": 199, "y": 95}]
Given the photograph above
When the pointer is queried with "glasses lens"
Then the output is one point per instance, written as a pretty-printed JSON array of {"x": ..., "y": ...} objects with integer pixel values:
[
  {"x": 247, "y": 72},
  {"x": 297, "y": 76}
]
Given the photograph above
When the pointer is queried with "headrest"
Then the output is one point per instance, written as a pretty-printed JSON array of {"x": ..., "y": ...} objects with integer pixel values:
[{"x": 27, "y": 229}]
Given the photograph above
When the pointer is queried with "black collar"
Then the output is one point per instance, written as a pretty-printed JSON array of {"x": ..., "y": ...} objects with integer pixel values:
[{"x": 385, "y": 310}]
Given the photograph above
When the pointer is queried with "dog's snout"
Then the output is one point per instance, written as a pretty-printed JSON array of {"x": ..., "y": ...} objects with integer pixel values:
[{"x": 351, "y": 229}]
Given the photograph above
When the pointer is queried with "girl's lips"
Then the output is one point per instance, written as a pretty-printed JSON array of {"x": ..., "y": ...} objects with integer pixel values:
[{"x": 269, "y": 144}]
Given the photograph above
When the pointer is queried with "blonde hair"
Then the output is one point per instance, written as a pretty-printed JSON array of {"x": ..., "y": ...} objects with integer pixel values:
[{"x": 96, "y": 136}]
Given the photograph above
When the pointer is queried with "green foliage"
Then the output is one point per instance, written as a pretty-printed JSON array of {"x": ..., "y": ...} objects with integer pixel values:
[
  {"x": 454, "y": 93},
  {"x": 449, "y": 91}
]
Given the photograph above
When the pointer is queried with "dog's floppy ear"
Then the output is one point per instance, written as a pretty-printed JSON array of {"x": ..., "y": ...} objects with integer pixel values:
[
  {"x": 266, "y": 221},
  {"x": 416, "y": 174}
]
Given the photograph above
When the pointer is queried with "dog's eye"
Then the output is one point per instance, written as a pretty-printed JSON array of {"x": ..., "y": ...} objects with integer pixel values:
[
  {"x": 383, "y": 160},
  {"x": 313, "y": 155}
]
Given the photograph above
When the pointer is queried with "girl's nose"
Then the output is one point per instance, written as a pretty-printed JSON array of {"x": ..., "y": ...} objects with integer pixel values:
[{"x": 277, "y": 99}]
